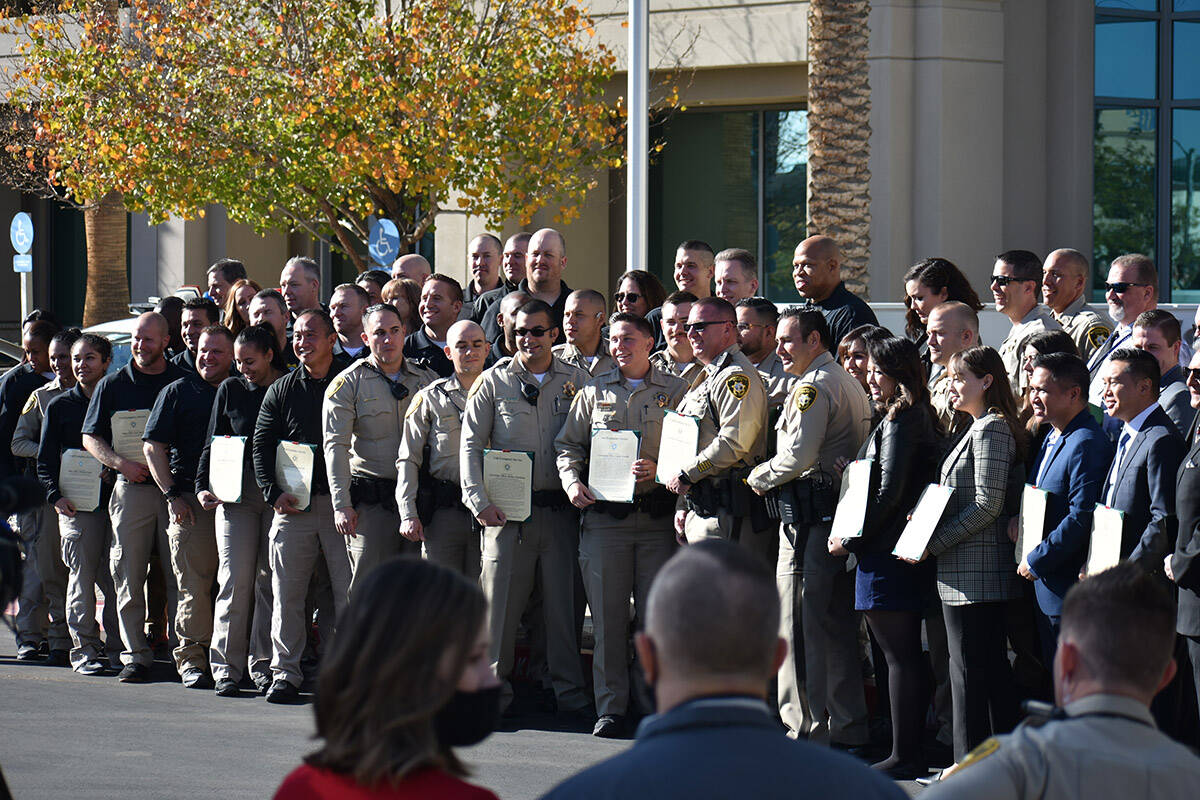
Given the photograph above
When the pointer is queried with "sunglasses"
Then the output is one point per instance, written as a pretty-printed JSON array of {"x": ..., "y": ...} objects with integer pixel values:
[
  {"x": 1193, "y": 374},
  {"x": 1121, "y": 287},
  {"x": 699, "y": 327},
  {"x": 1005, "y": 280},
  {"x": 530, "y": 393},
  {"x": 632, "y": 297},
  {"x": 536, "y": 333},
  {"x": 745, "y": 326}
]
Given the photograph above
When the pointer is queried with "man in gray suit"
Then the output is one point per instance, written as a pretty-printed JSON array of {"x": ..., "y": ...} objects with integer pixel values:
[
  {"x": 1157, "y": 332},
  {"x": 1183, "y": 565}
]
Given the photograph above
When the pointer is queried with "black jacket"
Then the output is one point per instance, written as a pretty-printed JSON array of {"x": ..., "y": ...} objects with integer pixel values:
[{"x": 1185, "y": 562}]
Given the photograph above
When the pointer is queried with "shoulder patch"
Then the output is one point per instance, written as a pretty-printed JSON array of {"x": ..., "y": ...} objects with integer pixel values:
[
  {"x": 414, "y": 404},
  {"x": 338, "y": 383},
  {"x": 475, "y": 387},
  {"x": 737, "y": 385},
  {"x": 987, "y": 748},
  {"x": 1097, "y": 335},
  {"x": 806, "y": 395},
  {"x": 30, "y": 404}
]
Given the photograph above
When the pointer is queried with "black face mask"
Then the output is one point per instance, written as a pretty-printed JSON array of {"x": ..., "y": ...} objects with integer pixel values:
[{"x": 468, "y": 718}]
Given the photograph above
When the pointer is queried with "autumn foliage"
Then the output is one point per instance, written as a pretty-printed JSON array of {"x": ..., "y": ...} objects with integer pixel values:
[{"x": 314, "y": 114}]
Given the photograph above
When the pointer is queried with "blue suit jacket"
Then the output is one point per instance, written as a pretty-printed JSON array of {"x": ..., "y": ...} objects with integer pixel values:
[
  {"x": 723, "y": 747},
  {"x": 1074, "y": 479},
  {"x": 1145, "y": 491}
]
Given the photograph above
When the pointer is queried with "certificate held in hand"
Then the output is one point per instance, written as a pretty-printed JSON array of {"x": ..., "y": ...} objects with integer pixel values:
[
  {"x": 294, "y": 471},
  {"x": 226, "y": 456},
  {"x": 508, "y": 482},
  {"x": 128, "y": 428},
  {"x": 1031, "y": 528},
  {"x": 914, "y": 540},
  {"x": 851, "y": 511},
  {"x": 1104, "y": 550},
  {"x": 677, "y": 446},
  {"x": 610, "y": 465},
  {"x": 79, "y": 479}
]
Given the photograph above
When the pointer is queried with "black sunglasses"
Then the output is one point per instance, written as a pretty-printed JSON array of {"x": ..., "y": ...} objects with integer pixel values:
[
  {"x": 699, "y": 327},
  {"x": 1005, "y": 280},
  {"x": 536, "y": 333},
  {"x": 531, "y": 393},
  {"x": 621, "y": 297},
  {"x": 1121, "y": 287},
  {"x": 1193, "y": 374}
]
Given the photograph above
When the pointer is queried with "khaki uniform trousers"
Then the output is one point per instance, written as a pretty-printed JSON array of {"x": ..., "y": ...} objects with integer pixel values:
[
  {"x": 242, "y": 619},
  {"x": 619, "y": 558},
  {"x": 194, "y": 562},
  {"x": 41, "y": 608},
  {"x": 818, "y": 600},
  {"x": 139, "y": 517},
  {"x": 543, "y": 549},
  {"x": 452, "y": 540},
  {"x": 85, "y": 540},
  {"x": 297, "y": 541},
  {"x": 725, "y": 526},
  {"x": 376, "y": 539}
]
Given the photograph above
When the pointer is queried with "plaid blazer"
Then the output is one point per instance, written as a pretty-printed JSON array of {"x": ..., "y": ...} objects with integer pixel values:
[{"x": 974, "y": 555}]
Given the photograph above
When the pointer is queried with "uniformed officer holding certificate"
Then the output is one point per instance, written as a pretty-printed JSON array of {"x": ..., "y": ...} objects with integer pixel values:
[
  {"x": 621, "y": 545},
  {"x": 827, "y": 416}
]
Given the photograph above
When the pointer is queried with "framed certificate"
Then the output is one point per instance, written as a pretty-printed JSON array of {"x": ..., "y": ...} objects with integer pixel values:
[
  {"x": 294, "y": 471},
  {"x": 1104, "y": 550},
  {"x": 128, "y": 428},
  {"x": 610, "y": 464},
  {"x": 79, "y": 479},
  {"x": 851, "y": 510},
  {"x": 1031, "y": 528},
  {"x": 677, "y": 446},
  {"x": 914, "y": 540},
  {"x": 226, "y": 457},
  {"x": 508, "y": 482}
]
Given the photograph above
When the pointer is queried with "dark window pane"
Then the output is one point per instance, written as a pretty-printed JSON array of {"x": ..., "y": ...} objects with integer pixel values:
[
  {"x": 1187, "y": 5},
  {"x": 704, "y": 185},
  {"x": 1138, "y": 5},
  {"x": 785, "y": 176},
  {"x": 1123, "y": 214},
  {"x": 1186, "y": 51},
  {"x": 1126, "y": 55},
  {"x": 1185, "y": 208}
]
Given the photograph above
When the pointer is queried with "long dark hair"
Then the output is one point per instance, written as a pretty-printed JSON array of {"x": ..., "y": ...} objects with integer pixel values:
[
  {"x": 900, "y": 360},
  {"x": 647, "y": 284},
  {"x": 998, "y": 398},
  {"x": 401, "y": 645},
  {"x": 936, "y": 274}
]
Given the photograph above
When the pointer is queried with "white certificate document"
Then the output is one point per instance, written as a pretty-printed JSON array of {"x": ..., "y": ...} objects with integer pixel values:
[
  {"x": 508, "y": 482},
  {"x": 1104, "y": 551},
  {"x": 677, "y": 446},
  {"x": 128, "y": 427},
  {"x": 851, "y": 510},
  {"x": 79, "y": 479},
  {"x": 925, "y": 518},
  {"x": 610, "y": 464},
  {"x": 225, "y": 462},
  {"x": 294, "y": 471},
  {"x": 1031, "y": 528}
]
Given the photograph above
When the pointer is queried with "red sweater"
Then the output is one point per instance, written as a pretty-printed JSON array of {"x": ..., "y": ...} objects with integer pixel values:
[{"x": 310, "y": 783}]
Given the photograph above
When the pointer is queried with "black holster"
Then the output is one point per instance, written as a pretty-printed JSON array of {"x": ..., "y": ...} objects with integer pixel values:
[
  {"x": 658, "y": 503},
  {"x": 553, "y": 499},
  {"x": 373, "y": 491}
]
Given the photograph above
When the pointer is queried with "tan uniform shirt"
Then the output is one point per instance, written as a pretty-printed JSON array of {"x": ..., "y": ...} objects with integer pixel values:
[
  {"x": 362, "y": 423},
  {"x": 1107, "y": 748},
  {"x": 571, "y": 354},
  {"x": 28, "y": 433},
  {"x": 779, "y": 383},
  {"x": 1088, "y": 328},
  {"x": 435, "y": 417},
  {"x": 1012, "y": 349},
  {"x": 731, "y": 403},
  {"x": 609, "y": 401},
  {"x": 939, "y": 396},
  {"x": 691, "y": 372},
  {"x": 499, "y": 416},
  {"x": 827, "y": 416}
]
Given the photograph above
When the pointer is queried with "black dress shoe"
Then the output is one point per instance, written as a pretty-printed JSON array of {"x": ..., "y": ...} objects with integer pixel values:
[
  {"x": 282, "y": 692},
  {"x": 609, "y": 726},
  {"x": 859, "y": 751},
  {"x": 903, "y": 771},
  {"x": 28, "y": 652},
  {"x": 58, "y": 658},
  {"x": 134, "y": 673},
  {"x": 227, "y": 688},
  {"x": 195, "y": 678}
]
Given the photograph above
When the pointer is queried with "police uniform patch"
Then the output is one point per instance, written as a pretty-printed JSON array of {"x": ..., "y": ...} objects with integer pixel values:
[
  {"x": 338, "y": 383},
  {"x": 1097, "y": 335},
  {"x": 413, "y": 406},
  {"x": 737, "y": 385},
  {"x": 29, "y": 404},
  {"x": 805, "y": 396},
  {"x": 704, "y": 466},
  {"x": 661, "y": 398}
]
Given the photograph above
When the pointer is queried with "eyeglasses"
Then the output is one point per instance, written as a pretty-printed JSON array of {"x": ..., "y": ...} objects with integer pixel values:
[
  {"x": 632, "y": 297},
  {"x": 1005, "y": 280},
  {"x": 536, "y": 333},
  {"x": 699, "y": 327},
  {"x": 1193, "y": 374},
  {"x": 530, "y": 393},
  {"x": 745, "y": 326},
  {"x": 1121, "y": 287}
]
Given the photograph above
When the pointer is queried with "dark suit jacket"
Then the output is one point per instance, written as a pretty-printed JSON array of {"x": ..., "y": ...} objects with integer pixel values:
[
  {"x": 723, "y": 747},
  {"x": 1185, "y": 562},
  {"x": 1176, "y": 400},
  {"x": 1074, "y": 479},
  {"x": 1145, "y": 491}
]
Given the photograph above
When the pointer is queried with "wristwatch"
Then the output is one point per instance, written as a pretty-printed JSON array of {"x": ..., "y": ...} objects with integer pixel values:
[{"x": 684, "y": 479}]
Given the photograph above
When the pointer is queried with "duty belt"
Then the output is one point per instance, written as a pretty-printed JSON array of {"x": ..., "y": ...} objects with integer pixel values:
[
  {"x": 377, "y": 491},
  {"x": 658, "y": 503},
  {"x": 551, "y": 498}
]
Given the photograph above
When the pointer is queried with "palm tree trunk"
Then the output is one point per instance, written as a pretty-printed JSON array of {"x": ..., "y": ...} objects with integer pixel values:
[
  {"x": 839, "y": 130},
  {"x": 105, "y": 224}
]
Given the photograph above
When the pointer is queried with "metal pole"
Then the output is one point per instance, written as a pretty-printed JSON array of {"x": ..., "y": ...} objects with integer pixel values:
[
  {"x": 26, "y": 294},
  {"x": 638, "y": 138}
]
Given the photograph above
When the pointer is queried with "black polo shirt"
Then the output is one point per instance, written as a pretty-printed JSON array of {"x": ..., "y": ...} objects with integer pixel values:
[
  {"x": 485, "y": 310},
  {"x": 844, "y": 311},
  {"x": 61, "y": 430},
  {"x": 418, "y": 347},
  {"x": 179, "y": 419},
  {"x": 291, "y": 411},
  {"x": 185, "y": 361},
  {"x": 234, "y": 413},
  {"x": 15, "y": 388},
  {"x": 127, "y": 389}
]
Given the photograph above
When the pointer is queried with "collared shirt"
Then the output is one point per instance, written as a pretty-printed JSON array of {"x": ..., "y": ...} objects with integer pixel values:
[
  {"x": 434, "y": 418},
  {"x": 1012, "y": 349},
  {"x": 730, "y": 402},
  {"x": 234, "y": 413},
  {"x": 485, "y": 309},
  {"x": 186, "y": 361},
  {"x": 600, "y": 364},
  {"x": 1118, "y": 339},
  {"x": 61, "y": 430},
  {"x": 1088, "y": 328},
  {"x": 844, "y": 311},
  {"x": 1129, "y": 432},
  {"x": 691, "y": 372},
  {"x": 15, "y": 388},
  {"x": 127, "y": 389},
  {"x": 419, "y": 347},
  {"x": 29, "y": 425},
  {"x": 777, "y": 381}
]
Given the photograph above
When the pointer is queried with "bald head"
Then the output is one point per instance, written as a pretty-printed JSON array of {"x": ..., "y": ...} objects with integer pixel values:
[
  {"x": 952, "y": 328},
  {"x": 151, "y": 335},
  {"x": 412, "y": 266},
  {"x": 1064, "y": 276},
  {"x": 816, "y": 267},
  {"x": 464, "y": 329}
]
